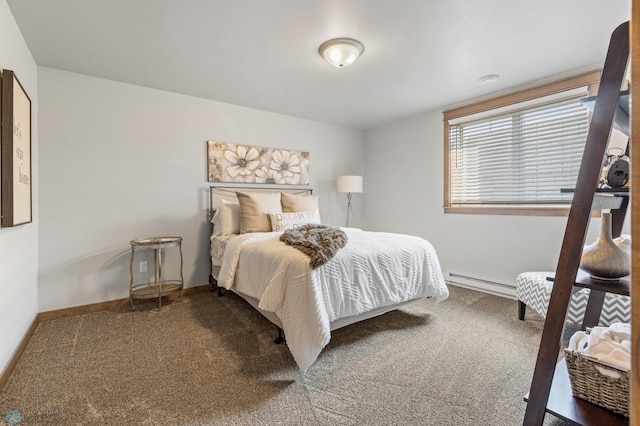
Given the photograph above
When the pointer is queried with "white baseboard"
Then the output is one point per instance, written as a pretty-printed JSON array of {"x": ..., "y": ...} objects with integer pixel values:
[{"x": 485, "y": 286}]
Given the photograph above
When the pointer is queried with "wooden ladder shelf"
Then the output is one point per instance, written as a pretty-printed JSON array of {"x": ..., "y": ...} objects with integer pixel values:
[{"x": 550, "y": 389}]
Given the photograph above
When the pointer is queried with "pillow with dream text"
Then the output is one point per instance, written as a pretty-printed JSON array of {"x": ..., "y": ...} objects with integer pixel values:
[
  {"x": 255, "y": 208},
  {"x": 226, "y": 219},
  {"x": 280, "y": 222}
]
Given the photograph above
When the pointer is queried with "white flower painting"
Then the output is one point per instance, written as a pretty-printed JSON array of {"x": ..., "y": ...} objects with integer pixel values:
[
  {"x": 255, "y": 164},
  {"x": 242, "y": 161}
]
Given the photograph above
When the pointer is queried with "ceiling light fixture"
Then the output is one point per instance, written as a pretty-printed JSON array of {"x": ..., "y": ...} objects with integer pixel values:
[
  {"x": 489, "y": 78},
  {"x": 341, "y": 52}
]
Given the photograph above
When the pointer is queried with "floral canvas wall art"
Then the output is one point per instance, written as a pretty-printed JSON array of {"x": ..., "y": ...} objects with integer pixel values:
[{"x": 230, "y": 162}]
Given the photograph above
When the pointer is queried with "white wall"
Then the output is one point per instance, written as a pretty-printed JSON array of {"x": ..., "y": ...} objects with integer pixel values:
[
  {"x": 119, "y": 162},
  {"x": 19, "y": 245},
  {"x": 404, "y": 193}
]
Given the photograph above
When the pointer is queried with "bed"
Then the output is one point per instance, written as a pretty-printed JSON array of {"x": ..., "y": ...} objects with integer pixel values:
[{"x": 373, "y": 273}]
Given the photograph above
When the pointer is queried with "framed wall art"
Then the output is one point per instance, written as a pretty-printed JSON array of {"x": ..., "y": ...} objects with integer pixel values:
[
  {"x": 15, "y": 153},
  {"x": 228, "y": 162}
]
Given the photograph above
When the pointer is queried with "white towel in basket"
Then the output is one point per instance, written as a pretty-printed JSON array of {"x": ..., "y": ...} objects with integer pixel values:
[{"x": 611, "y": 345}]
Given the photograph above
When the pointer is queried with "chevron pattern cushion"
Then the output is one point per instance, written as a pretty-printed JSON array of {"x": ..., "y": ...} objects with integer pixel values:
[{"x": 534, "y": 290}]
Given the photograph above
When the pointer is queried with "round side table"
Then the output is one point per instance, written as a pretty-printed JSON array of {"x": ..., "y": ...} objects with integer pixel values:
[{"x": 158, "y": 286}]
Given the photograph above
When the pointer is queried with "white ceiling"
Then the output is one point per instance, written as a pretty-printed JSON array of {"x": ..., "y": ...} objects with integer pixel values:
[{"x": 419, "y": 55}]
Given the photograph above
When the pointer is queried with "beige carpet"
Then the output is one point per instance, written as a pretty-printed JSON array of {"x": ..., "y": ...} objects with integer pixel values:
[{"x": 211, "y": 361}]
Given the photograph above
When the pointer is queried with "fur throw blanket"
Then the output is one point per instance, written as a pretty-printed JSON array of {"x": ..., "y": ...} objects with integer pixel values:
[{"x": 319, "y": 242}]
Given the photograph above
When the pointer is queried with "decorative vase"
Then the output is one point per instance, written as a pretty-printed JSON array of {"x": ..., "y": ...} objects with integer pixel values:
[{"x": 604, "y": 259}]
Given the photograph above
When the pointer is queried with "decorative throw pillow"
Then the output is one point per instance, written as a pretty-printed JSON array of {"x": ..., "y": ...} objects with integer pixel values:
[
  {"x": 299, "y": 203},
  {"x": 280, "y": 222},
  {"x": 255, "y": 208},
  {"x": 226, "y": 219}
]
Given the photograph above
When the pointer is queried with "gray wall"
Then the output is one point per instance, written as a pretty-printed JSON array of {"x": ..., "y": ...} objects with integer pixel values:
[
  {"x": 119, "y": 162},
  {"x": 404, "y": 164},
  {"x": 19, "y": 245}
]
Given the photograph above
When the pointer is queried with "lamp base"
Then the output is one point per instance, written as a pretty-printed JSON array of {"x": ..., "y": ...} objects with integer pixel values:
[{"x": 349, "y": 210}]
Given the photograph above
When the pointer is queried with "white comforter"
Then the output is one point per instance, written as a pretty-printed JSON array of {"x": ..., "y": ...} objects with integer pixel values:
[{"x": 373, "y": 270}]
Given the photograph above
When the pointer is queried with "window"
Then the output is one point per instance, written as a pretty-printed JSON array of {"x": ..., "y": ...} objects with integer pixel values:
[{"x": 513, "y": 154}]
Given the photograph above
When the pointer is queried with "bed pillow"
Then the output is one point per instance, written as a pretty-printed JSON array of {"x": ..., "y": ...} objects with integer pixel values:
[
  {"x": 255, "y": 208},
  {"x": 226, "y": 219},
  {"x": 299, "y": 203},
  {"x": 280, "y": 222}
]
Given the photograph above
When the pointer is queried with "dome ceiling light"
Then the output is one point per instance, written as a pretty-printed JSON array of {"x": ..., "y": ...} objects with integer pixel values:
[{"x": 341, "y": 52}]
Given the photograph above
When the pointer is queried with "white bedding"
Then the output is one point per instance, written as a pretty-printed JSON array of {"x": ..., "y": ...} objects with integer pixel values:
[{"x": 373, "y": 270}]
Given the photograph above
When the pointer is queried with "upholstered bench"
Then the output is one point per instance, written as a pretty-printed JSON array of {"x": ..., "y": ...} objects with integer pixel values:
[{"x": 534, "y": 290}]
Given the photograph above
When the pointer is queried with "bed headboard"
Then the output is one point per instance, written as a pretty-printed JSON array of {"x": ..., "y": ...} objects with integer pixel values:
[{"x": 228, "y": 192}]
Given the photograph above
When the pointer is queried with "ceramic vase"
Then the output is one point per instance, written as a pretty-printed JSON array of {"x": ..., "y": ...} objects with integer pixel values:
[{"x": 604, "y": 259}]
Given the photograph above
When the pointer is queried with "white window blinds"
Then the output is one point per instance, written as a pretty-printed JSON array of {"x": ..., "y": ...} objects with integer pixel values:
[{"x": 523, "y": 156}]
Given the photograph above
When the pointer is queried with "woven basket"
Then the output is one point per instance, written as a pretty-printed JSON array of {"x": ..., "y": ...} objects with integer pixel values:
[{"x": 588, "y": 383}]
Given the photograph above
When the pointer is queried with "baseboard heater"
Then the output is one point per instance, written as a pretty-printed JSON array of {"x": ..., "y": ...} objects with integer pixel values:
[{"x": 478, "y": 284}]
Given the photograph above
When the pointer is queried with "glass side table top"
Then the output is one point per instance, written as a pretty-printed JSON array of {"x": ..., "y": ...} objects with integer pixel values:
[{"x": 160, "y": 241}]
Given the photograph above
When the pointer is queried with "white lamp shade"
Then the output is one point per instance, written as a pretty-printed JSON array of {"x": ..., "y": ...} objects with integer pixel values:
[{"x": 351, "y": 184}]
